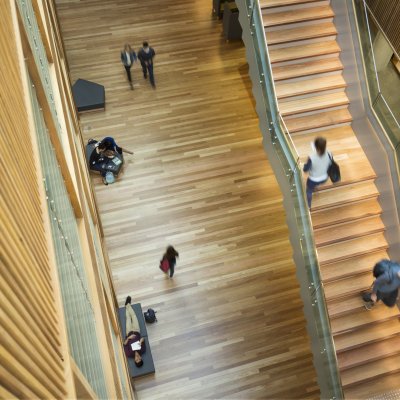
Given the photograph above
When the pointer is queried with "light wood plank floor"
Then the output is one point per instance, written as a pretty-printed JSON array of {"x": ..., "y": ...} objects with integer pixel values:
[{"x": 230, "y": 323}]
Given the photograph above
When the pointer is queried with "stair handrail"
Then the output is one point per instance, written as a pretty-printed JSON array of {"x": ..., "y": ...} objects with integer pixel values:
[{"x": 286, "y": 164}]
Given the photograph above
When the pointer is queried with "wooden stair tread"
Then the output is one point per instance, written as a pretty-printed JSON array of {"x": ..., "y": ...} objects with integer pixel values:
[
  {"x": 356, "y": 265},
  {"x": 345, "y": 306},
  {"x": 306, "y": 86},
  {"x": 319, "y": 120},
  {"x": 351, "y": 285},
  {"x": 371, "y": 334},
  {"x": 280, "y": 3},
  {"x": 343, "y": 195},
  {"x": 307, "y": 68},
  {"x": 313, "y": 103},
  {"x": 297, "y": 15},
  {"x": 345, "y": 213},
  {"x": 305, "y": 51},
  {"x": 303, "y": 33},
  {"x": 369, "y": 353},
  {"x": 365, "y": 372},
  {"x": 351, "y": 248},
  {"x": 361, "y": 318},
  {"x": 374, "y": 387},
  {"x": 348, "y": 230}
]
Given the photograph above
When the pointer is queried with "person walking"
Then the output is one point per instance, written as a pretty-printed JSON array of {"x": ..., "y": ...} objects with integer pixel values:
[
  {"x": 146, "y": 55},
  {"x": 386, "y": 285},
  {"x": 170, "y": 258},
  {"x": 317, "y": 167},
  {"x": 128, "y": 57}
]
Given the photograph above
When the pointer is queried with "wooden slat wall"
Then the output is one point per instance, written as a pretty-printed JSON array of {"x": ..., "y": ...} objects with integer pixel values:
[
  {"x": 31, "y": 363},
  {"x": 387, "y": 14}
]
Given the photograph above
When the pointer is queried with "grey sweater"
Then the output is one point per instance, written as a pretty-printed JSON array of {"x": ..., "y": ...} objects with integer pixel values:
[{"x": 389, "y": 281}]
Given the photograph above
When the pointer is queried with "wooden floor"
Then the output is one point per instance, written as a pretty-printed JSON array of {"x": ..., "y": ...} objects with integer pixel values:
[{"x": 230, "y": 323}]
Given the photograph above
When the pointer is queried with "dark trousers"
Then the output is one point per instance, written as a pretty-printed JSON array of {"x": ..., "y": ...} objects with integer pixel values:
[
  {"x": 311, "y": 185},
  {"x": 171, "y": 268},
  {"x": 148, "y": 68},
  {"x": 388, "y": 299},
  {"x": 128, "y": 72}
]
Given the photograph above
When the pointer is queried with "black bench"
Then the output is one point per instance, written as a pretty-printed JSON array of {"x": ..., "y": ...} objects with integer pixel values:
[
  {"x": 148, "y": 364},
  {"x": 88, "y": 96}
]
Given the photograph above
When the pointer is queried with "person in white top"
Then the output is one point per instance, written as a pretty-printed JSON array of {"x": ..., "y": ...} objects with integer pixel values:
[
  {"x": 317, "y": 167},
  {"x": 128, "y": 57}
]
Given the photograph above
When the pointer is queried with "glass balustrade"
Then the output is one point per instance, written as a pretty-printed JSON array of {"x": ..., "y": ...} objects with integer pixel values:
[
  {"x": 285, "y": 152},
  {"x": 382, "y": 77}
]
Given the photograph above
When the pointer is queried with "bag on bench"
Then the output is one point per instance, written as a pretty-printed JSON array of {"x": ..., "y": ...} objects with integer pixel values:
[{"x": 150, "y": 316}]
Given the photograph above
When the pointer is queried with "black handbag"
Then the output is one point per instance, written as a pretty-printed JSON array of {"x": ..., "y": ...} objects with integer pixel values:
[{"x": 334, "y": 170}]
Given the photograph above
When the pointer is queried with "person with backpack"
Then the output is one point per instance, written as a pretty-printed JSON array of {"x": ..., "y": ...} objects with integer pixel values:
[
  {"x": 317, "y": 167},
  {"x": 168, "y": 261},
  {"x": 386, "y": 285}
]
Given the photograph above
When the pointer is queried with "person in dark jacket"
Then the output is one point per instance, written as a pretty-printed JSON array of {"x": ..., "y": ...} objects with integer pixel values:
[
  {"x": 386, "y": 285},
  {"x": 170, "y": 255},
  {"x": 146, "y": 55},
  {"x": 128, "y": 57}
]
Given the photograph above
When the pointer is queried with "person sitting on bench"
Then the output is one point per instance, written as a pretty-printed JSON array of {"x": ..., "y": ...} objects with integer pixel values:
[
  {"x": 110, "y": 144},
  {"x": 133, "y": 335},
  {"x": 97, "y": 157}
]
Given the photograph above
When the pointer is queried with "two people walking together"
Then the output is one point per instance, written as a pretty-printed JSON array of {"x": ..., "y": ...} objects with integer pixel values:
[{"x": 145, "y": 55}]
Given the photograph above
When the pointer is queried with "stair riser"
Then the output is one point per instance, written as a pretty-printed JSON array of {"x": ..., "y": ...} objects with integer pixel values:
[
  {"x": 297, "y": 24},
  {"x": 370, "y": 360},
  {"x": 315, "y": 108},
  {"x": 361, "y": 343},
  {"x": 320, "y": 129},
  {"x": 301, "y": 42},
  {"x": 344, "y": 238},
  {"x": 304, "y": 114},
  {"x": 300, "y": 6},
  {"x": 355, "y": 254},
  {"x": 282, "y": 63},
  {"x": 328, "y": 278},
  {"x": 335, "y": 72},
  {"x": 361, "y": 381},
  {"x": 335, "y": 89},
  {"x": 361, "y": 325}
]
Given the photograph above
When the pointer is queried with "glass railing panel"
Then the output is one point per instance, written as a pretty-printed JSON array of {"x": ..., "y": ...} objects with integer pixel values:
[
  {"x": 39, "y": 54},
  {"x": 382, "y": 78},
  {"x": 367, "y": 48},
  {"x": 387, "y": 118}
]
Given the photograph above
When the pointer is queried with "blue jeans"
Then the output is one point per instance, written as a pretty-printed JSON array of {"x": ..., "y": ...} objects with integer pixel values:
[{"x": 311, "y": 185}]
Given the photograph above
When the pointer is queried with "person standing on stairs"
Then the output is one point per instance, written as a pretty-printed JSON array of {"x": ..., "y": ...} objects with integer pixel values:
[
  {"x": 386, "y": 285},
  {"x": 317, "y": 167},
  {"x": 128, "y": 57}
]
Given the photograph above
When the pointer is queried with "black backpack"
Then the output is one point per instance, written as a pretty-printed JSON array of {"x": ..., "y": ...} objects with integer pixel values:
[
  {"x": 150, "y": 316},
  {"x": 334, "y": 170}
]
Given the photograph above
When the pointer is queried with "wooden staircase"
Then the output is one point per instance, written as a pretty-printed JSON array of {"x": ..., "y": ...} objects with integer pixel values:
[{"x": 349, "y": 232}]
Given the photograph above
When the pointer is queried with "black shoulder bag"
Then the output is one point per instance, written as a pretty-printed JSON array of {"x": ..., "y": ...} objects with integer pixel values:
[{"x": 334, "y": 170}]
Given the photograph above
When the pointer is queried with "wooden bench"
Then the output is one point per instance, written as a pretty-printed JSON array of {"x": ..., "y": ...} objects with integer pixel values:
[{"x": 148, "y": 364}]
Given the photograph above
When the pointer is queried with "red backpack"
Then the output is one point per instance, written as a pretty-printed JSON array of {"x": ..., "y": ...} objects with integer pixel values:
[{"x": 164, "y": 265}]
